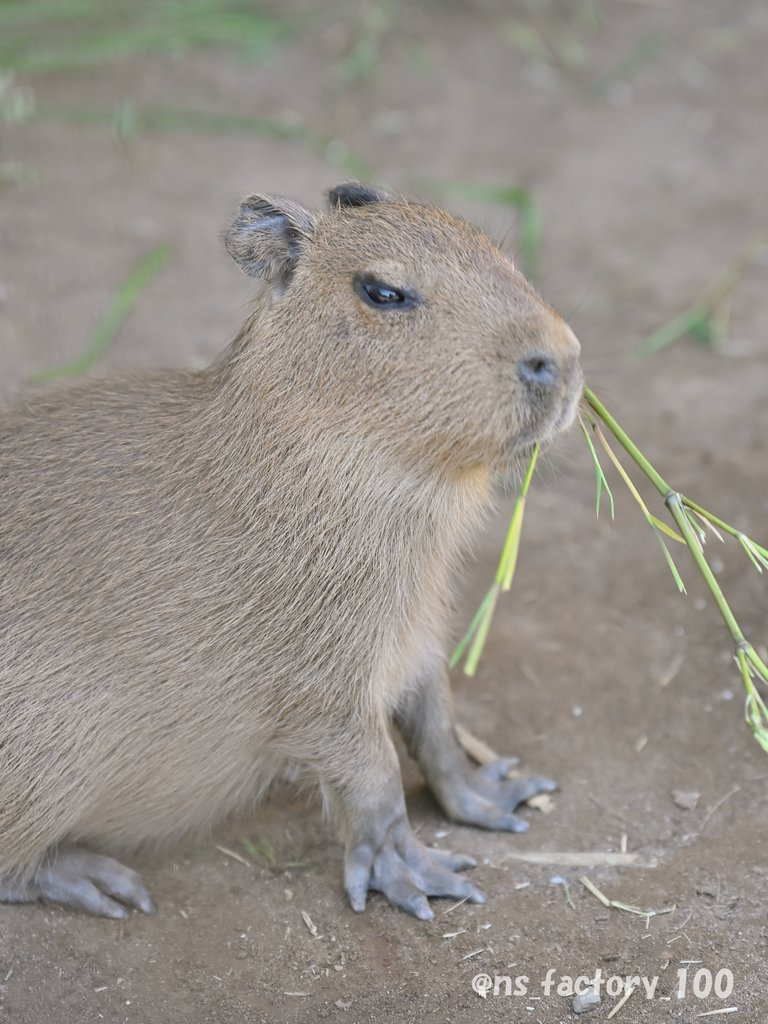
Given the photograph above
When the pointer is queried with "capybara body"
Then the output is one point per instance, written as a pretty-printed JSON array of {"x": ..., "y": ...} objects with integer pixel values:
[{"x": 207, "y": 576}]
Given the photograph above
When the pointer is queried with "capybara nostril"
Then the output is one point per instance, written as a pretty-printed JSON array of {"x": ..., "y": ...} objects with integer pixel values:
[{"x": 538, "y": 370}]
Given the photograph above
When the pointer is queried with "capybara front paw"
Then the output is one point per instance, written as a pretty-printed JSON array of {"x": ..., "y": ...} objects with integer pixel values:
[
  {"x": 406, "y": 872},
  {"x": 486, "y": 797},
  {"x": 91, "y": 882}
]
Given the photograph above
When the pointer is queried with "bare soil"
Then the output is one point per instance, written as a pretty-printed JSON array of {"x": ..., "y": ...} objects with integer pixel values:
[{"x": 649, "y": 163}]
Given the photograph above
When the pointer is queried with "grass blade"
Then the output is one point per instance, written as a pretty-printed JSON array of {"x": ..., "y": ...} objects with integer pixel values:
[
  {"x": 508, "y": 560},
  {"x": 755, "y": 552},
  {"x": 600, "y": 479},
  {"x": 473, "y": 627},
  {"x": 750, "y": 555},
  {"x": 659, "y": 524},
  {"x": 669, "y": 560},
  {"x": 696, "y": 527},
  {"x": 481, "y": 635},
  {"x": 755, "y": 710},
  {"x": 656, "y": 524},
  {"x": 481, "y": 623},
  {"x": 703, "y": 520}
]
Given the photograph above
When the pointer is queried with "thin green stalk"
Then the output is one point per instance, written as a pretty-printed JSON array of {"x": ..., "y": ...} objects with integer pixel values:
[
  {"x": 477, "y": 633},
  {"x": 478, "y": 643},
  {"x": 600, "y": 478},
  {"x": 674, "y": 503},
  {"x": 508, "y": 560},
  {"x": 627, "y": 443},
  {"x": 655, "y": 524},
  {"x": 755, "y": 710},
  {"x": 473, "y": 626}
]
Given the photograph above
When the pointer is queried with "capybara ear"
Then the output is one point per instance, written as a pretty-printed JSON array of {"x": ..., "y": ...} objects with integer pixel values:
[
  {"x": 267, "y": 236},
  {"x": 354, "y": 193}
]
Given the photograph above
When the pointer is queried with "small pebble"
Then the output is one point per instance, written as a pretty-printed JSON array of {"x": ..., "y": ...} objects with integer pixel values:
[
  {"x": 585, "y": 1001},
  {"x": 576, "y": 711},
  {"x": 687, "y": 799}
]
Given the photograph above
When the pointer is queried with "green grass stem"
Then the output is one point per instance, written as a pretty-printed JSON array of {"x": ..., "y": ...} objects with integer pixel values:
[
  {"x": 600, "y": 479},
  {"x": 476, "y": 635},
  {"x": 692, "y": 522}
]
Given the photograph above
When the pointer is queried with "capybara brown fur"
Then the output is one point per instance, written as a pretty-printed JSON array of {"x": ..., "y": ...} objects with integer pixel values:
[{"x": 209, "y": 577}]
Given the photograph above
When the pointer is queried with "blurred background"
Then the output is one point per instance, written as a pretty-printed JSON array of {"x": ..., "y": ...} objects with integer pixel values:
[
  {"x": 617, "y": 148},
  {"x": 611, "y": 144}
]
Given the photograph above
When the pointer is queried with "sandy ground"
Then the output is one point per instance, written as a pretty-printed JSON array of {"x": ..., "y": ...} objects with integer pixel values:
[{"x": 649, "y": 164}]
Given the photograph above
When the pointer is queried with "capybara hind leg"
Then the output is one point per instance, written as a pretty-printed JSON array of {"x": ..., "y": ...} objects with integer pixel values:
[{"x": 89, "y": 881}]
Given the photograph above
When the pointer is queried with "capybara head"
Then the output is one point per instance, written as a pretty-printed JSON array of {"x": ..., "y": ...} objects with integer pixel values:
[{"x": 400, "y": 320}]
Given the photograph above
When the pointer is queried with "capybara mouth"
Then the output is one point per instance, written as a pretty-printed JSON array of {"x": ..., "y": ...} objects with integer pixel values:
[
  {"x": 570, "y": 406},
  {"x": 561, "y": 413}
]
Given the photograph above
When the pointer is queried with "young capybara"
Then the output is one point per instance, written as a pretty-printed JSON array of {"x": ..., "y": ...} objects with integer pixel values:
[{"x": 211, "y": 576}]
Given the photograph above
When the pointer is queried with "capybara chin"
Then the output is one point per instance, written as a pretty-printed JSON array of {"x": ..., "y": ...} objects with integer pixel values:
[{"x": 209, "y": 575}]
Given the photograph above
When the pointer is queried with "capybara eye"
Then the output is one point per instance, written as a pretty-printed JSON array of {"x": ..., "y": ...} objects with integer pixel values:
[{"x": 379, "y": 293}]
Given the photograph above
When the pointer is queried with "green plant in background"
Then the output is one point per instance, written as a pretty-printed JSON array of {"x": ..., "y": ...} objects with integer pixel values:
[
  {"x": 128, "y": 120},
  {"x": 693, "y": 523},
  {"x": 519, "y": 199},
  {"x": 17, "y": 102},
  {"x": 553, "y": 37},
  {"x": 43, "y": 36},
  {"x": 119, "y": 308},
  {"x": 374, "y": 21},
  {"x": 644, "y": 53},
  {"x": 707, "y": 319}
]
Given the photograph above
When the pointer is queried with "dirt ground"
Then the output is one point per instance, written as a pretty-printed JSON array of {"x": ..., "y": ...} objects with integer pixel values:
[{"x": 640, "y": 128}]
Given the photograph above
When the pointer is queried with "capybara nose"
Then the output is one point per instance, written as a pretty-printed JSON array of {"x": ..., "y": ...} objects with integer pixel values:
[{"x": 538, "y": 370}]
